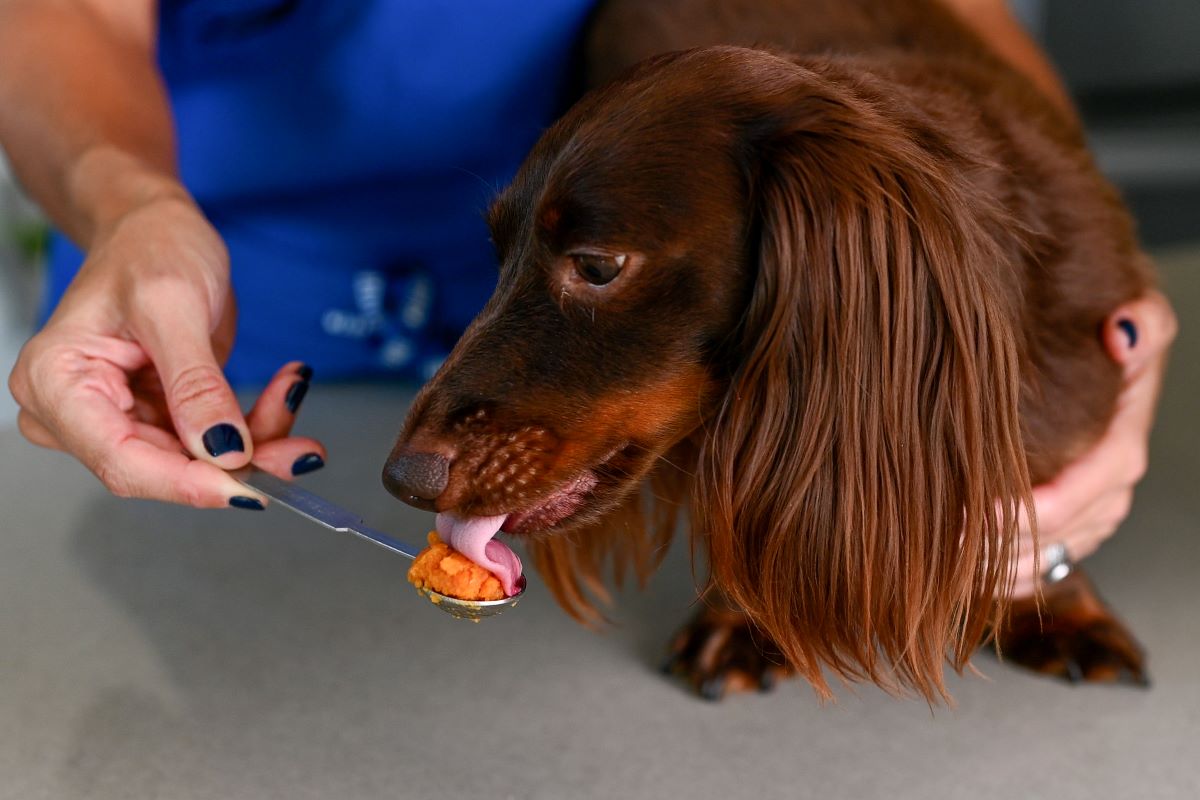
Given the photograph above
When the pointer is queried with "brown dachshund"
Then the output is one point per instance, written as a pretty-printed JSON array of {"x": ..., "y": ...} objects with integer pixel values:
[{"x": 828, "y": 274}]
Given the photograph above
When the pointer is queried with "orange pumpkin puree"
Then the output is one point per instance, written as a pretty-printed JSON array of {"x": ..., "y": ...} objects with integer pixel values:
[{"x": 449, "y": 572}]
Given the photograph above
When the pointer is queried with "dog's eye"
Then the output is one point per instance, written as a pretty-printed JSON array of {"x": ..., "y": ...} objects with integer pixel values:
[{"x": 598, "y": 269}]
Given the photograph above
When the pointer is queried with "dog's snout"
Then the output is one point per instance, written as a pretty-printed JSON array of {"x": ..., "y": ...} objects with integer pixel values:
[{"x": 416, "y": 477}]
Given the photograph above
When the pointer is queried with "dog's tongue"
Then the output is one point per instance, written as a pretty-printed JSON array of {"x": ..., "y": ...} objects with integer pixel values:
[{"x": 472, "y": 536}]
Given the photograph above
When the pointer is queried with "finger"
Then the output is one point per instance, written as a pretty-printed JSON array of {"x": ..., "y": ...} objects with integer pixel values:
[
  {"x": 1116, "y": 463},
  {"x": 290, "y": 458},
  {"x": 138, "y": 468},
  {"x": 1140, "y": 331},
  {"x": 133, "y": 459},
  {"x": 159, "y": 437},
  {"x": 36, "y": 432},
  {"x": 1137, "y": 336},
  {"x": 203, "y": 408},
  {"x": 275, "y": 411},
  {"x": 1099, "y": 524},
  {"x": 1082, "y": 537},
  {"x": 149, "y": 399}
]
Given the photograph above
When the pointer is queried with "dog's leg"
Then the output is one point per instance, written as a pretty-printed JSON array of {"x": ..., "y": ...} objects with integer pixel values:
[
  {"x": 1077, "y": 637},
  {"x": 720, "y": 650}
]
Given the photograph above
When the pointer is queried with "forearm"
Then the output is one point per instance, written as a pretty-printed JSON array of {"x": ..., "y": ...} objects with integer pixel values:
[
  {"x": 992, "y": 21},
  {"x": 84, "y": 115}
]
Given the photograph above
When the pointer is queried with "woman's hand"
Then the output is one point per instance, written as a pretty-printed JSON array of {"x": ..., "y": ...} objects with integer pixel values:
[
  {"x": 126, "y": 375},
  {"x": 1086, "y": 503}
]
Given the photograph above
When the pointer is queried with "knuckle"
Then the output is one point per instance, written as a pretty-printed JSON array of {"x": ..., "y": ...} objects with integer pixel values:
[
  {"x": 42, "y": 363},
  {"x": 44, "y": 367},
  {"x": 27, "y": 426},
  {"x": 19, "y": 382},
  {"x": 191, "y": 494},
  {"x": 1048, "y": 516},
  {"x": 203, "y": 384},
  {"x": 18, "y": 386}
]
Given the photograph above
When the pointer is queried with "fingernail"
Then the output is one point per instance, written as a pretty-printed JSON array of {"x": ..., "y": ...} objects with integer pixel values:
[
  {"x": 295, "y": 395},
  {"x": 222, "y": 439},
  {"x": 310, "y": 462},
  {"x": 248, "y": 503},
  {"x": 305, "y": 372},
  {"x": 1130, "y": 330}
]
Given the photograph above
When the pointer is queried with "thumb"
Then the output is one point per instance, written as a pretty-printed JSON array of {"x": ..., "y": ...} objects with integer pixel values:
[
  {"x": 203, "y": 408},
  {"x": 1138, "y": 332}
]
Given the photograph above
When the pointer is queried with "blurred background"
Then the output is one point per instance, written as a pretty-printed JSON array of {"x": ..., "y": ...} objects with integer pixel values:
[{"x": 1134, "y": 69}]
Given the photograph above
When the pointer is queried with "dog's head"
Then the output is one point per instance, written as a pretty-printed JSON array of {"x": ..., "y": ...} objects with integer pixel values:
[
  {"x": 624, "y": 252},
  {"x": 729, "y": 250}
]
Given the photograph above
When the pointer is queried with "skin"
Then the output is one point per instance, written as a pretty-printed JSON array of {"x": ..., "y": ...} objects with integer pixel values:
[
  {"x": 126, "y": 375},
  {"x": 1085, "y": 504}
]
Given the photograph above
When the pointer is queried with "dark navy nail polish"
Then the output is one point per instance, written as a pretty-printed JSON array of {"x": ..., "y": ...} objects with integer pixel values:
[
  {"x": 1130, "y": 330},
  {"x": 305, "y": 372},
  {"x": 310, "y": 462},
  {"x": 295, "y": 395},
  {"x": 222, "y": 439},
  {"x": 248, "y": 503}
]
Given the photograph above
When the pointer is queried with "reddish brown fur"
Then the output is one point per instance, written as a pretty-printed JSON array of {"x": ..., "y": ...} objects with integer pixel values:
[{"x": 865, "y": 319}]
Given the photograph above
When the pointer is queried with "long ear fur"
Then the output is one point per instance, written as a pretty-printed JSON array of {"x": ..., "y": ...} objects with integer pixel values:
[
  {"x": 859, "y": 489},
  {"x": 632, "y": 539}
]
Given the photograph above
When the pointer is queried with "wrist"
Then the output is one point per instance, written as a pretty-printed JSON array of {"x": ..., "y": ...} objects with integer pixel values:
[{"x": 105, "y": 184}]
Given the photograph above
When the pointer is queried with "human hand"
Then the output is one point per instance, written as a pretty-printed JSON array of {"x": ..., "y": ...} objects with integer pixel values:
[
  {"x": 1083, "y": 506},
  {"x": 126, "y": 374}
]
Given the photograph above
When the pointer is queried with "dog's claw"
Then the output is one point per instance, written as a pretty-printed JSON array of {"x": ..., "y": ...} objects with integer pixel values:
[
  {"x": 713, "y": 689},
  {"x": 1073, "y": 670},
  {"x": 1076, "y": 637},
  {"x": 719, "y": 652}
]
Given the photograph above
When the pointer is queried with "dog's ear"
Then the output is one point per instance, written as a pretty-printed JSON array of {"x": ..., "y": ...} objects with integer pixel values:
[
  {"x": 629, "y": 541},
  {"x": 859, "y": 489}
]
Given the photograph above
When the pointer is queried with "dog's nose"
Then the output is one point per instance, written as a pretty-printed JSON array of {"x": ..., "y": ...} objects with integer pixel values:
[{"x": 416, "y": 477}]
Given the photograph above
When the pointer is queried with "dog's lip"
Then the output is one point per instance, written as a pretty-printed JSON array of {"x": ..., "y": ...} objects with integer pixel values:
[
  {"x": 558, "y": 506},
  {"x": 562, "y": 503}
]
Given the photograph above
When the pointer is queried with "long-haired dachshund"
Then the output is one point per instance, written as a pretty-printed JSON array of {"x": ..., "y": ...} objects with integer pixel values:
[{"x": 833, "y": 274}]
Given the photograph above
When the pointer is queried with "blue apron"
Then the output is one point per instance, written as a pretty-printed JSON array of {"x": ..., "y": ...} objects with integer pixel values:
[{"x": 346, "y": 151}]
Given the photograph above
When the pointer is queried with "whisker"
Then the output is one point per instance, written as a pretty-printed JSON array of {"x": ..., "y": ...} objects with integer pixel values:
[{"x": 662, "y": 457}]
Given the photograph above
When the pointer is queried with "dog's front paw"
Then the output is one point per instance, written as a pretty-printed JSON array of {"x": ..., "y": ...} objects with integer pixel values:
[
  {"x": 720, "y": 651},
  {"x": 1077, "y": 637}
]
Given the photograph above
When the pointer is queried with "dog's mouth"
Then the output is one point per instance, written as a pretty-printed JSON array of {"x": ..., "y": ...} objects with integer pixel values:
[
  {"x": 572, "y": 496},
  {"x": 560, "y": 505},
  {"x": 474, "y": 536}
]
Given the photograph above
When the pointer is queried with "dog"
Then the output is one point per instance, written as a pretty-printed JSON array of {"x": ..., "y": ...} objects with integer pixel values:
[{"x": 828, "y": 274}]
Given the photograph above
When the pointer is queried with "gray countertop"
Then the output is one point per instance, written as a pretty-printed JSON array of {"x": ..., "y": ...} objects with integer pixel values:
[{"x": 156, "y": 652}]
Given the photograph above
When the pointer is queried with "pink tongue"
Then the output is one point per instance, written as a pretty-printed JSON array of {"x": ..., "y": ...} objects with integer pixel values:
[{"x": 472, "y": 536}]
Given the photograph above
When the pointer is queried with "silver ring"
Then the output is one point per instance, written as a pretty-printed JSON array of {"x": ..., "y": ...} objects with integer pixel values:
[{"x": 1056, "y": 565}]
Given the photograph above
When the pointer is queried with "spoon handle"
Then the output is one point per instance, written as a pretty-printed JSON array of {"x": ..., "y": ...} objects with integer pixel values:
[{"x": 317, "y": 508}]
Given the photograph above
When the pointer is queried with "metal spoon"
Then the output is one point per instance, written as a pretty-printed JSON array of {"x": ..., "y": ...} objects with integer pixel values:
[{"x": 333, "y": 516}]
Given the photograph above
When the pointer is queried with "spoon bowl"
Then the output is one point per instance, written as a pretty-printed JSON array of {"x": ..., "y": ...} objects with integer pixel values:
[
  {"x": 474, "y": 610},
  {"x": 323, "y": 512}
]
